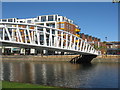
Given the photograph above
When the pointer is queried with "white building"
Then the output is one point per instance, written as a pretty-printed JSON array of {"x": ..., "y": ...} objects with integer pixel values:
[{"x": 54, "y": 21}]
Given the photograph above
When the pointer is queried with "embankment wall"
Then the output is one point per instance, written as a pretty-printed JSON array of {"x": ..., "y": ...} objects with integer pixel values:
[{"x": 108, "y": 58}]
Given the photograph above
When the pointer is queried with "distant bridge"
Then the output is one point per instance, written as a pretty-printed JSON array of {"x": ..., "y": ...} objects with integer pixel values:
[{"x": 43, "y": 37}]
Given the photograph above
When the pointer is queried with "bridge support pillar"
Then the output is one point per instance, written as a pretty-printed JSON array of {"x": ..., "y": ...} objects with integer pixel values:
[{"x": 83, "y": 59}]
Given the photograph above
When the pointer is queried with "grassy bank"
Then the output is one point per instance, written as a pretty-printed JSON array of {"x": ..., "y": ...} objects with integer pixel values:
[{"x": 7, "y": 84}]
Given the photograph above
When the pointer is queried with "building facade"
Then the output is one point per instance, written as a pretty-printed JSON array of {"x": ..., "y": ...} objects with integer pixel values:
[
  {"x": 113, "y": 48},
  {"x": 54, "y": 21},
  {"x": 92, "y": 40}
]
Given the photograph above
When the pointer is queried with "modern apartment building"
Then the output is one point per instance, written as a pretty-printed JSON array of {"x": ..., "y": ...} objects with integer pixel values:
[{"x": 54, "y": 21}]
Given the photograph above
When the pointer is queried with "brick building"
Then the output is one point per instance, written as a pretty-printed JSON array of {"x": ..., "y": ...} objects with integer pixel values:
[
  {"x": 92, "y": 40},
  {"x": 113, "y": 48}
]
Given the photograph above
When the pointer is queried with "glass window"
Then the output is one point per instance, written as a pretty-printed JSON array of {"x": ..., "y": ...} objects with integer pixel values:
[
  {"x": 21, "y": 22},
  {"x": 55, "y": 17},
  {"x": 93, "y": 38},
  {"x": 9, "y": 20},
  {"x": 50, "y": 18},
  {"x": 4, "y": 20},
  {"x": 43, "y": 18},
  {"x": 58, "y": 26},
  {"x": 28, "y": 21},
  {"x": 42, "y": 24},
  {"x": 14, "y": 20},
  {"x": 38, "y": 17},
  {"x": 36, "y": 20},
  {"x": 58, "y": 19},
  {"x": 67, "y": 20},
  {"x": 62, "y": 25},
  {"x": 52, "y": 25},
  {"x": 67, "y": 26},
  {"x": 63, "y": 19},
  {"x": 1, "y": 33}
]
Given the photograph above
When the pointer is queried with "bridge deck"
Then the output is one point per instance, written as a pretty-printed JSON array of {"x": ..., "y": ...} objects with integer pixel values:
[{"x": 41, "y": 37}]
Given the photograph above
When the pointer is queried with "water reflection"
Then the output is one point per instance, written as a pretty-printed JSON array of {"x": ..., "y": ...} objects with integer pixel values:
[{"x": 61, "y": 74}]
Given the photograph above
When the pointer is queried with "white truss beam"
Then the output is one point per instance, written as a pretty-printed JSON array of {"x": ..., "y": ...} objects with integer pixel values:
[{"x": 43, "y": 36}]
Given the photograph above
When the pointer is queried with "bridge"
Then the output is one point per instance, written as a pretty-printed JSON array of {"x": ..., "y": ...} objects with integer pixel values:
[{"x": 43, "y": 37}]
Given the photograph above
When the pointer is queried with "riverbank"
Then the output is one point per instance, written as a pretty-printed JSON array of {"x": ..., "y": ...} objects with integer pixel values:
[
  {"x": 7, "y": 84},
  {"x": 67, "y": 58},
  {"x": 37, "y": 58},
  {"x": 106, "y": 58}
]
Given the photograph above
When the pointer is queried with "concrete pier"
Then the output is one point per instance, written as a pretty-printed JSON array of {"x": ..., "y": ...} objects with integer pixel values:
[{"x": 83, "y": 59}]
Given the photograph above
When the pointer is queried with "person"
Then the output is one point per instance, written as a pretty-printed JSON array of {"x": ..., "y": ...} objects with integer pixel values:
[{"x": 104, "y": 53}]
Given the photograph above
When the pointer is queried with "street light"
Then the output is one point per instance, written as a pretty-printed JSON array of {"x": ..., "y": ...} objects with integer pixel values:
[
  {"x": 106, "y": 39},
  {"x": 106, "y": 46}
]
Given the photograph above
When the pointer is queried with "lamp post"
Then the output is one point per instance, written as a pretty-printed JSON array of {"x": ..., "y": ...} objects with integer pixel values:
[
  {"x": 106, "y": 46},
  {"x": 106, "y": 39}
]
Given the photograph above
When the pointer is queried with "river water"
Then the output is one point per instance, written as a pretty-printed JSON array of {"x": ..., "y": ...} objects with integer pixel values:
[{"x": 62, "y": 74}]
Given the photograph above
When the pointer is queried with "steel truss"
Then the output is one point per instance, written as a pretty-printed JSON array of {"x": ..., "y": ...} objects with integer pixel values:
[{"x": 46, "y": 37}]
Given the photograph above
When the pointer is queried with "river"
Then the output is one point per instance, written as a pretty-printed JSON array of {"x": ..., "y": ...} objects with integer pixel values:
[{"x": 62, "y": 74}]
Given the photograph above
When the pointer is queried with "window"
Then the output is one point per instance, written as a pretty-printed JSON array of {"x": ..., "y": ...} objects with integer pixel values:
[
  {"x": 53, "y": 31},
  {"x": 4, "y": 20},
  {"x": 1, "y": 33},
  {"x": 51, "y": 25},
  {"x": 38, "y": 17},
  {"x": 36, "y": 20},
  {"x": 71, "y": 21},
  {"x": 58, "y": 26},
  {"x": 50, "y": 18},
  {"x": 62, "y": 25},
  {"x": 67, "y": 20},
  {"x": 28, "y": 21},
  {"x": 14, "y": 20},
  {"x": 93, "y": 38},
  {"x": 63, "y": 19},
  {"x": 21, "y": 22},
  {"x": 67, "y": 26},
  {"x": 55, "y": 17},
  {"x": 80, "y": 36},
  {"x": 43, "y": 18},
  {"x": 9, "y": 20},
  {"x": 42, "y": 24},
  {"x": 58, "y": 19}
]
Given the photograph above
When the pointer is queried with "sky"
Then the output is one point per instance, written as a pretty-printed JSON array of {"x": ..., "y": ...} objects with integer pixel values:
[{"x": 99, "y": 19}]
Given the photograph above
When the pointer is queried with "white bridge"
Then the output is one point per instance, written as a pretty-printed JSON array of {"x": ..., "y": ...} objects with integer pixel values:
[
  {"x": 41, "y": 37},
  {"x": 37, "y": 36}
]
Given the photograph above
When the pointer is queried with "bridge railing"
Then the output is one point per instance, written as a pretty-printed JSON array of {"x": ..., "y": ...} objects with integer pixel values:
[{"x": 39, "y": 35}]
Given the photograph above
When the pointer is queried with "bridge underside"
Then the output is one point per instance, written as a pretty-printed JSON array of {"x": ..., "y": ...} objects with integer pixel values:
[{"x": 83, "y": 59}]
